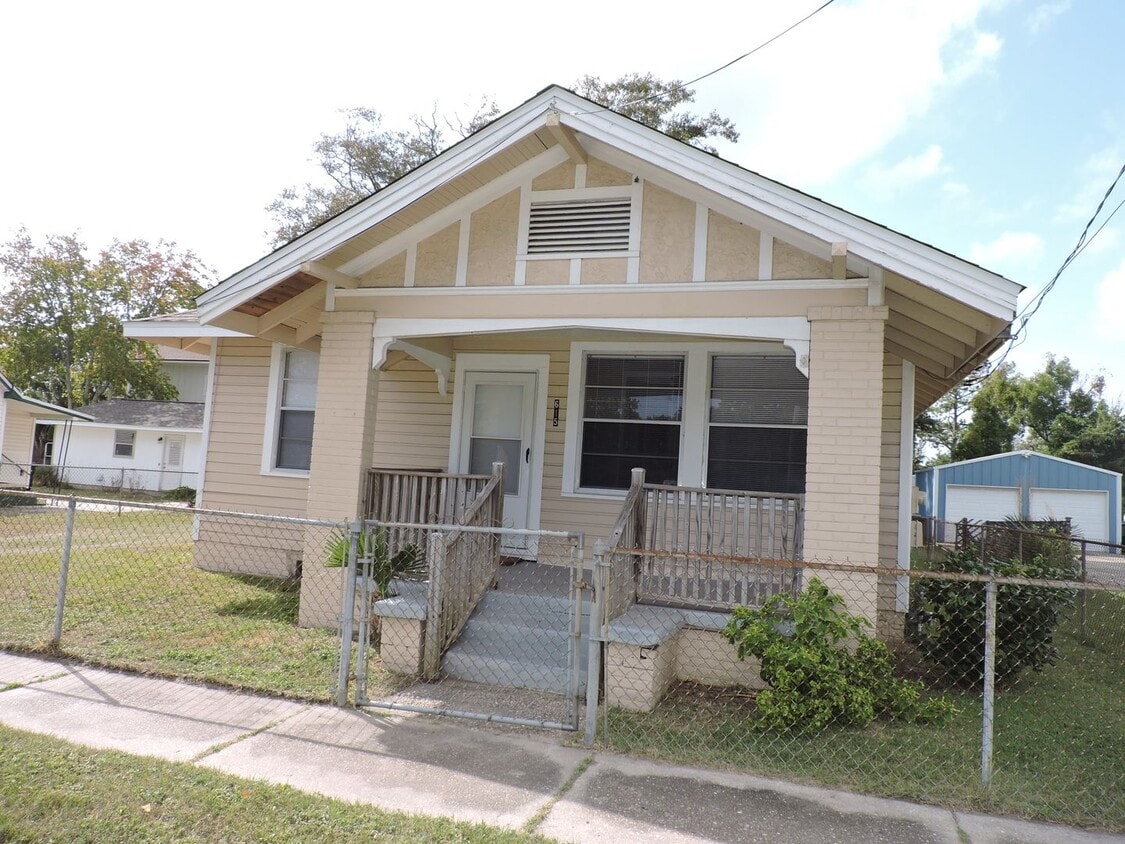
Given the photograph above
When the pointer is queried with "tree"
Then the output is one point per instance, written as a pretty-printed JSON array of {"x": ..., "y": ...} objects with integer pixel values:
[
  {"x": 364, "y": 157},
  {"x": 653, "y": 102},
  {"x": 1056, "y": 411},
  {"x": 60, "y": 316},
  {"x": 942, "y": 427}
]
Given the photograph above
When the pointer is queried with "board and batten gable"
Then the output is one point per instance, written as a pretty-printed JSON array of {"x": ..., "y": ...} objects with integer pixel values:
[{"x": 679, "y": 240}]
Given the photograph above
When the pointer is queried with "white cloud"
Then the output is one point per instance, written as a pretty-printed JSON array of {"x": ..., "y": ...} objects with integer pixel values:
[
  {"x": 1021, "y": 249},
  {"x": 1042, "y": 15},
  {"x": 858, "y": 74},
  {"x": 955, "y": 190},
  {"x": 1111, "y": 304},
  {"x": 1097, "y": 173},
  {"x": 909, "y": 171}
]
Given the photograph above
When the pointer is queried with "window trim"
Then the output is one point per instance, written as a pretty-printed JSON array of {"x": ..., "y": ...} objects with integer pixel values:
[
  {"x": 132, "y": 455},
  {"x": 273, "y": 415},
  {"x": 694, "y": 426}
]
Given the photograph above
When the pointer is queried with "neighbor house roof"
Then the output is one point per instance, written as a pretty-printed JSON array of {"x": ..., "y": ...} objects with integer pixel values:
[
  {"x": 1022, "y": 453},
  {"x": 612, "y": 137},
  {"x": 145, "y": 414},
  {"x": 46, "y": 410}
]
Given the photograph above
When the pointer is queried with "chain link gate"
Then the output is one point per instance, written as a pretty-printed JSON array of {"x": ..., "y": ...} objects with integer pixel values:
[{"x": 470, "y": 621}]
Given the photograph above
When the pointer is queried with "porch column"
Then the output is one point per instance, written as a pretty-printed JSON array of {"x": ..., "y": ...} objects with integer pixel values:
[
  {"x": 842, "y": 499},
  {"x": 343, "y": 439}
]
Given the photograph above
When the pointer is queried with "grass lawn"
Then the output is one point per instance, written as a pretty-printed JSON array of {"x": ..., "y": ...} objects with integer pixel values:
[
  {"x": 54, "y": 791},
  {"x": 135, "y": 601},
  {"x": 1059, "y": 738}
]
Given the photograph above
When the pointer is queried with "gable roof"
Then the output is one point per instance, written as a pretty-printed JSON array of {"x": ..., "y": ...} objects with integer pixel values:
[
  {"x": 9, "y": 391},
  {"x": 139, "y": 413},
  {"x": 808, "y": 221},
  {"x": 1021, "y": 453}
]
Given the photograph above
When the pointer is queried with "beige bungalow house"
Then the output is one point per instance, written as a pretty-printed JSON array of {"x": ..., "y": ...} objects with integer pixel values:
[{"x": 574, "y": 294}]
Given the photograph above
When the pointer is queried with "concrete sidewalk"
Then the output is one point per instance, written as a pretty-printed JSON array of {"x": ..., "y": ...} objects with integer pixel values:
[{"x": 471, "y": 772}]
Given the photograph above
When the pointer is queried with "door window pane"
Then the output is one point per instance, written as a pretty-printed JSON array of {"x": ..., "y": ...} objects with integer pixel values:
[
  {"x": 484, "y": 451},
  {"x": 498, "y": 410}
]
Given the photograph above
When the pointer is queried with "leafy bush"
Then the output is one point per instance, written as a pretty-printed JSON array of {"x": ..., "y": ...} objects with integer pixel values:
[
  {"x": 821, "y": 667},
  {"x": 181, "y": 493},
  {"x": 946, "y": 618}
]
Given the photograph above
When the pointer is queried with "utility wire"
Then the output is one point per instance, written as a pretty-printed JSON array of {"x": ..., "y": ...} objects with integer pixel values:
[
  {"x": 682, "y": 85},
  {"x": 1032, "y": 307}
]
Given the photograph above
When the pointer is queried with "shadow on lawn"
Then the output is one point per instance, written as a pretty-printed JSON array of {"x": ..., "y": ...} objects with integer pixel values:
[{"x": 276, "y": 599}]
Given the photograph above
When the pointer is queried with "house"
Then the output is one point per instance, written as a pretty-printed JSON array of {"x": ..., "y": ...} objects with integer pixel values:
[
  {"x": 18, "y": 413},
  {"x": 132, "y": 446},
  {"x": 1027, "y": 485},
  {"x": 574, "y": 295},
  {"x": 135, "y": 445}
]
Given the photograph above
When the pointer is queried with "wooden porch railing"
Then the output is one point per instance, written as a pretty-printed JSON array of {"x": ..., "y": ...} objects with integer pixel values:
[
  {"x": 711, "y": 548},
  {"x": 418, "y": 497},
  {"x": 624, "y": 562},
  {"x": 463, "y": 565}
]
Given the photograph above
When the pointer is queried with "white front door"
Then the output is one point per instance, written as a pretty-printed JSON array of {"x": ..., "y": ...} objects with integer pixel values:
[
  {"x": 173, "y": 464},
  {"x": 498, "y": 426}
]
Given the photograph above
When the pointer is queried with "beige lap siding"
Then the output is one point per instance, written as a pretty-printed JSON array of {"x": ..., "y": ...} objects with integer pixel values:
[
  {"x": 234, "y": 480},
  {"x": 890, "y": 622},
  {"x": 845, "y": 446},
  {"x": 19, "y": 430}
]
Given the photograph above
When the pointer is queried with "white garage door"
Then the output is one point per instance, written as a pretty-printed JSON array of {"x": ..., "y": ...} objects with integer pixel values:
[
  {"x": 1088, "y": 510},
  {"x": 981, "y": 503}
]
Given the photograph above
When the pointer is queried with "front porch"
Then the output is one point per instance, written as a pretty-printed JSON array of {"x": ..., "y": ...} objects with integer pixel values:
[{"x": 677, "y": 561}]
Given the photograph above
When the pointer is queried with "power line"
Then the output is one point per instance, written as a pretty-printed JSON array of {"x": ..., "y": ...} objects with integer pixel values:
[
  {"x": 719, "y": 69},
  {"x": 1033, "y": 306}
]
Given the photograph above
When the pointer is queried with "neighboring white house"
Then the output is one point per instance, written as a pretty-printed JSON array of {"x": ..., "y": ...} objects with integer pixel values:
[
  {"x": 132, "y": 445},
  {"x": 17, "y": 431},
  {"x": 136, "y": 445}
]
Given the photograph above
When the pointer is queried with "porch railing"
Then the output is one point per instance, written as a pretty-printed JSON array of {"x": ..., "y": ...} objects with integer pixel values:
[
  {"x": 418, "y": 497},
  {"x": 711, "y": 548},
  {"x": 463, "y": 564}
]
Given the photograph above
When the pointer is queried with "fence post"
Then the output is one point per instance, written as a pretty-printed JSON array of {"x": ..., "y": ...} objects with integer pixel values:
[
  {"x": 1082, "y": 594},
  {"x": 363, "y": 573},
  {"x": 578, "y": 588},
  {"x": 347, "y": 612},
  {"x": 594, "y": 642},
  {"x": 64, "y": 570},
  {"x": 989, "y": 679},
  {"x": 431, "y": 648}
]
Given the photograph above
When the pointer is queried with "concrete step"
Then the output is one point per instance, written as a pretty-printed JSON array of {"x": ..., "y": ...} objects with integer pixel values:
[
  {"x": 536, "y": 646},
  {"x": 514, "y": 673}
]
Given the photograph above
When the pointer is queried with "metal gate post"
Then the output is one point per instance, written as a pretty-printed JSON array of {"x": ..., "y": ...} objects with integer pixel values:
[
  {"x": 594, "y": 642},
  {"x": 431, "y": 641},
  {"x": 578, "y": 588},
  {"x": 347, "y": 611},
  {"x": 989, "y": 681},
  {"x": 64, "y": 571},
  {"x": 363, "y": 573}
]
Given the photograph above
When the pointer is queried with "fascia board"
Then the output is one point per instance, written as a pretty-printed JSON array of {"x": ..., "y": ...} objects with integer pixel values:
[
  {"x": 15, "y": 395},
  {"x": 141, "y": 329},
  {"x": 899, "y": 253},
  {"x": 264, "y": 273}
]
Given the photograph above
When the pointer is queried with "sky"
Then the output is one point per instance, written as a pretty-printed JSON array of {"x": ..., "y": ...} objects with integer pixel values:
[{"x": 988, "y": 128}]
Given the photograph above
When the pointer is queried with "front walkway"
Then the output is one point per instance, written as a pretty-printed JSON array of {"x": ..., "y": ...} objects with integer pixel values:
[{"x": 500, "y": 776}]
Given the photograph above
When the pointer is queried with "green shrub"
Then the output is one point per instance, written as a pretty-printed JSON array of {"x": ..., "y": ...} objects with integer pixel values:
[
  {"x": 407, "y": 561},
  {"x": 946, "y": 619},
  {"x": 181, "y": 493},
  {"x": 821, "y": 667}
]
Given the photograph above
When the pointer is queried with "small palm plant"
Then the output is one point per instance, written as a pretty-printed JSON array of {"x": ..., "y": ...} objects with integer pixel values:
[{"x": 384, "y": 566}]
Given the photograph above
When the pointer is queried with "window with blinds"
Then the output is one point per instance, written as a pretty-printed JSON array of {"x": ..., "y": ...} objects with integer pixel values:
[
  {"x": 631, "y": 415},
  {"x": 297, "y": 408},
  {"x": 758, "y": 424},
  {"x": 579, "y": 226}
]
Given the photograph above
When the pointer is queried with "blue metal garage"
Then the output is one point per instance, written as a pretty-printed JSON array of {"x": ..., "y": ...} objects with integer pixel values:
[{"x": 1025, "y": 484}]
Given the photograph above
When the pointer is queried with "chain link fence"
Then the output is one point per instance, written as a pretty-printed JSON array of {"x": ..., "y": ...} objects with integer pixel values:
[
  {"x": 992, "y": 681},
  {"x": 170, "y": 591},
  {"x": 990, "y": 676},
  {"x": 112, "y": 482}
]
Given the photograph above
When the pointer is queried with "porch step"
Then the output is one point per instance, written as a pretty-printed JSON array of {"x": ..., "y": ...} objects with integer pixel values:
[{"x": 519, "y": 640}]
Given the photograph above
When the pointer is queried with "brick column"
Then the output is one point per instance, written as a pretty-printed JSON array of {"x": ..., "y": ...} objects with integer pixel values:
[
  {"x": 842, "y": 483},
  {"x": 343, "y": 439}
]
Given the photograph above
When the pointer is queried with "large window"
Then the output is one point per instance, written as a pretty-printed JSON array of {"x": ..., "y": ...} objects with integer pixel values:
[
  {"x": 722, "y": 416},
  {"x": 296, "y": 407},
  {"x": 631, "y": 413},
  {"x": 758, "y": 424}
]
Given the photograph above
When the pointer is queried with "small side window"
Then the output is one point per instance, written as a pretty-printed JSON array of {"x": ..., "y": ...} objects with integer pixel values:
[{"x": 123, "y": 443}]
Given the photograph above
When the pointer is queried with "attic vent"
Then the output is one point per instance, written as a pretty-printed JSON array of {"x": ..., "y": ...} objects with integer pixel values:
[{"x": 588, "y": 225}]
